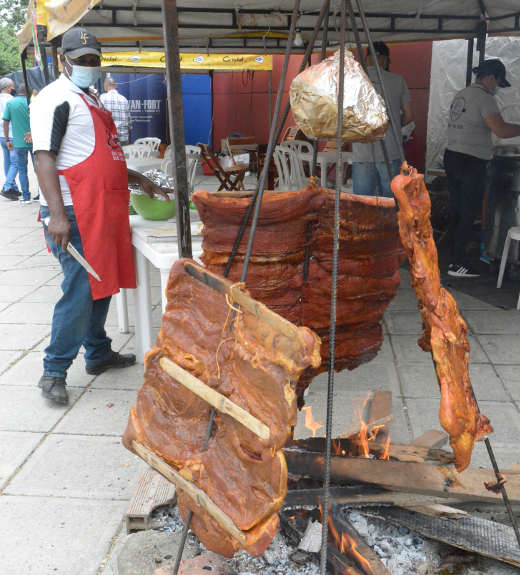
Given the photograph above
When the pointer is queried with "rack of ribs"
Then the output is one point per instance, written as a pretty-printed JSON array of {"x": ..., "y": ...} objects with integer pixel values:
[
  {"x": 445, "y": 332},
  {"x": 249, "y": 358}
]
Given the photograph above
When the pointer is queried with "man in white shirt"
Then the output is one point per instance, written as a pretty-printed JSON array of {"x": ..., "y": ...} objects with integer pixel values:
[
  {"x": 9, "y": 189},
  {"x": 84, "y": 195},
  {"x": 118, "y": 106}
]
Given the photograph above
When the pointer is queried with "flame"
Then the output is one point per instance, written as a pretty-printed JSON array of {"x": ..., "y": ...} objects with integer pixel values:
[
  {"x": 310, "y": 422},
  {"x": 364, "y": 451},
  {"x": 348, "y": 547},
  {"x": 385, "y": 454}
]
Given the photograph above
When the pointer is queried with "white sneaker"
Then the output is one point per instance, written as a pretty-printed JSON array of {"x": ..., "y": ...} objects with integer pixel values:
[
  {"x": 22, "y": 201},
  {"x": 459, "y": 271}
]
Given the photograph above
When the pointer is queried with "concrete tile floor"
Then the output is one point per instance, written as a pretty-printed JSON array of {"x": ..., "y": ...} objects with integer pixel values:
[{"x": 65, "y": 479}]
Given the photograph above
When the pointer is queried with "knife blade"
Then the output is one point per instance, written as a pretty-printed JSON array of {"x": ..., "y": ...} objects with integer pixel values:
[{"x": 78, "y": 257}]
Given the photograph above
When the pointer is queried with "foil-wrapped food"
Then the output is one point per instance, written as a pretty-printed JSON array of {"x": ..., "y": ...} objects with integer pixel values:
[
  {"x": 159, "y": 178},
  {"x": 314, "y": 102}
]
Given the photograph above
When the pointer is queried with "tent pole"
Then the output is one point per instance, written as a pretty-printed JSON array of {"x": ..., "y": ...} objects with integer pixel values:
[
  {"x": 469, "y": 62},
  {"x": 55, "y": 58},
  {"x": 270, "y": 94},
  {"x": 176, "y": 119},
  {"x": 23, "y": 57}
]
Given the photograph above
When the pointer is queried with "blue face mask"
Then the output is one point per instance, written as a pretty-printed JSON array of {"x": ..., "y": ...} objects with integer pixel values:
[
  {"x": 84, "y": 76},
  {"x": 494, "y": 91}
]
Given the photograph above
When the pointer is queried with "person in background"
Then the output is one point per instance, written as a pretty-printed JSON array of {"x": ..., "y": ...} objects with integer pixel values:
[
  {"x": 369, "y": 170},
  {"x": 474, "y": 115},
  {"x": 118, "y": 106},
  {"x": 9, "y": 189},
  {"x": 84, "y": 201},
  {"x": 16, "y": 121}
]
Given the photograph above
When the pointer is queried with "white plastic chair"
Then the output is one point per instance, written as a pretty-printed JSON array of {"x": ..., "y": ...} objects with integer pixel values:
[
  {"x": 192, "y": 159},
  {"x": 302, "y": 152},
  {"x": 152, "y": 144},
  {"x": 512, "y": 234},
  {"x": 282, "y": 159}
]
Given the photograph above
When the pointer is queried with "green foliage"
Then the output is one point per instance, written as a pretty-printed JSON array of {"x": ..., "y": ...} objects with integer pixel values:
[{"x": 12, "y": 18}]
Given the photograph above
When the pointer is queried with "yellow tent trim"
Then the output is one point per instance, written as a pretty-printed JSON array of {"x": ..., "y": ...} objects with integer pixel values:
[{"x": 189, "y": 60}]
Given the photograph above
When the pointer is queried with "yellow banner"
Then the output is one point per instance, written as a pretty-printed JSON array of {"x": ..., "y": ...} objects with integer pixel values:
[{"x": 189, "y": 61}]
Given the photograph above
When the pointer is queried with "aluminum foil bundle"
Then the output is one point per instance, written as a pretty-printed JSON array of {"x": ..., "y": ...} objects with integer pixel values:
[
  {"x": 314, "y": 102},
  {"x": 159, "y": 178}
]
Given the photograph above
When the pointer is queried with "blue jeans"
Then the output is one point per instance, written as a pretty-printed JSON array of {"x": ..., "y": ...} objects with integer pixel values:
[
  {"x": 20, "y": 165},
  {"x": 8, "y": 159},
  {"x": 371, "y": 179},
  {"x": 77, "y": 318}
]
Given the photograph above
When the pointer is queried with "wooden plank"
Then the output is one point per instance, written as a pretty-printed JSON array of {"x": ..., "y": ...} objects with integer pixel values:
[
  {"x": 380, "y": 406},
  {"x": 357, "y": 428},
  {"x": 256, "y": 308},
  {"x": 403, "y": 452},
  {"x": 354, "y": 545},
  {"x": 214, "y": 398},
  {"x": 487, "y": 538},
  {"x": 433, "y": 438},
  {"x": 406, "y": 476},
  {"x": 195, "y": 493},
  {"x": 152, "y": 491},
  {"x": 436, "y": 510}
]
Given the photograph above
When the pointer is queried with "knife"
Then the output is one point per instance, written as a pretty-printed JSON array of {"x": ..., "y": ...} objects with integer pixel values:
[{"x": 77, "y": 256}]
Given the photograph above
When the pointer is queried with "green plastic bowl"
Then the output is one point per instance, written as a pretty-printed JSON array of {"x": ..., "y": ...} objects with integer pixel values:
[{"x": 153, "y": 208}]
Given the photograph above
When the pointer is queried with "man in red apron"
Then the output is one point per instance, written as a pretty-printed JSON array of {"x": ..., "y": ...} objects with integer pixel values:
[{"x": 84, "y": 182}]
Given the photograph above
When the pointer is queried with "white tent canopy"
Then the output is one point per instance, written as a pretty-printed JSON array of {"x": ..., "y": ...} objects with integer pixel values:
[{"x": 253, "y": 25}]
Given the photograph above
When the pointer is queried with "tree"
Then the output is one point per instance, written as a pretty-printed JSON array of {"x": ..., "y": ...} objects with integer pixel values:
[{"x": 12, "y": 18}]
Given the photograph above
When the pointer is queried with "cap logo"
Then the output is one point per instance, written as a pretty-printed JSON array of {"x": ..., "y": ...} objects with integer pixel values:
[{"x": 84, "y": 38}]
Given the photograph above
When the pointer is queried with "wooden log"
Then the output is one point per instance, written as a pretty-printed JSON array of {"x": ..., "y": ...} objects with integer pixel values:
[
  {"x": 403, "y": 452},
  {"x": 380, "y": 406},
  {"x": 195, "y": 493},
  {"x": 406, "y": 476},
  {"x": 436, "y": 510},
  {"x": 354, "y": 545},
  {"x": 214, "y": 398},
  {"x": 370, "y": 426},
  {"x": 433, "y": 438}
]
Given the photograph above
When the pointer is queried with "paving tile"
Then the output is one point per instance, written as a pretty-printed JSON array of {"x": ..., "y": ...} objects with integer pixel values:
[
  {"x": 501, "y": 348},
  {"x": 40, "y": 260},
  {"x": 423, "y": 414},
  {"x": 510, "y": 375},
  {"x": 408, "y": 351},
  {"x": 27, "y": 313},
  {"x": 99, "y": 412},
  {"x": 90, "y": 467},
  {"x": 404, "y": 322},
  {"x": 8, "y": 262},
  {"x": 507, "y": 458},
  {"x": 466, "y": 302},
  {"x": 385, "y": 353},
  {"x": 28, "y": 370},
  {"x": 56, "y": 536},
  {"x": 405, "y": 299},
  {"x": 15, "y": 446},
  {"x": 27, "y": 277},
  {"x": 129, "y": 378},
  {"x": 419, "y": 380},
  {"x": 55, "y": 281},
  {"x": 24, "y": 408},
  {"x": 7, "y": 358},
  {"x": 496, "y": 321},
  {"x": 26, "y": 336},
  {"x": 10, "y": 295},
  {"x": 44, "y": 294}
]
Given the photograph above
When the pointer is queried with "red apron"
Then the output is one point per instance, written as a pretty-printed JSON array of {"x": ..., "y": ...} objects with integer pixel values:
[{"x": 99, "y": 190}]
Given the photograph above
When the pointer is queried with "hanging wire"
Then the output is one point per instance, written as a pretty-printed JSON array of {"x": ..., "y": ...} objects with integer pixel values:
[{"x": 333, "y": 297}]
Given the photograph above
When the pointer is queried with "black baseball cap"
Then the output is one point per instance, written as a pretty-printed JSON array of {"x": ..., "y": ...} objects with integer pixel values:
[
  {"x": 382, "y": 49},
  {"x": 495, "y": 68},
  {"x": 78, "y": 41}
]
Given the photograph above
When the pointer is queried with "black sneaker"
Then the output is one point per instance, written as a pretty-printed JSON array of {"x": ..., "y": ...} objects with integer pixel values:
[
  {"x": 53, "y": 388},
  {"x": 9, "y": 194},
  {"x": 116, "y": 360},
  {"x": 460, "y": 271}
]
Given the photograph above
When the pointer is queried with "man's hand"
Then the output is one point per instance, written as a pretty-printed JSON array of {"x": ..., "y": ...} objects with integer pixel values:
[
  {"x": 9, "y": 145},
  {"x": 153, "y": 189},
  {"x": 27, "y": 137},
  {"x": 59, "y": 230}
]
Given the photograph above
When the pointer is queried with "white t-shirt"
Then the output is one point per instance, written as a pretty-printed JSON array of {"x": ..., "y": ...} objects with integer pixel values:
[
  {"x": 4, "y": 98},
  {"x": 61, "y": 123}
]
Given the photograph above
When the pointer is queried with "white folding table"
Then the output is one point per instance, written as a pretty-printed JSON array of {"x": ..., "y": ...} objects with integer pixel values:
[{"x": 154, "y": 243}]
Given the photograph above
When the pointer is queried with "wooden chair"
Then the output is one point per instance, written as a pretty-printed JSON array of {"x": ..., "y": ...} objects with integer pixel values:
[
  {"x": 231, "y": 178},
  {"x": 242, "y": 145}
]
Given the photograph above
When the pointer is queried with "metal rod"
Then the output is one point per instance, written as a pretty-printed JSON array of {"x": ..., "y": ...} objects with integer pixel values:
[
  {"x": 469, "y": 61},
  {"x": 365, "y": 68},
  {"x": 270, "y": 94},
  {"x": 333, "y": 297},
  {"x": 247, "y": 215},
  {"x": 189, "y": 515},
  {"x": 174, "y": 86},
  {"x": 23, "y": 57},
  {"x": 272, "y": 140},
  {"x": 55, "y": 65},
  {"x": 395, "y": 131}
]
